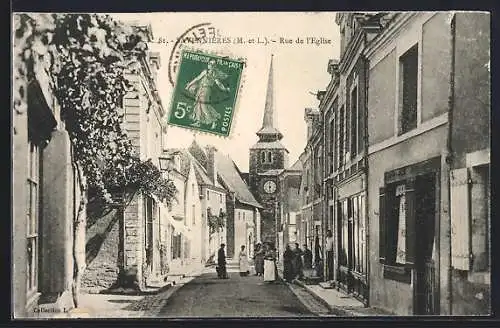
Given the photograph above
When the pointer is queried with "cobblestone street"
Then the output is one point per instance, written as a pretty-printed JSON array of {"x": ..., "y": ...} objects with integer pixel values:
[{"x": 207, "y": 296}]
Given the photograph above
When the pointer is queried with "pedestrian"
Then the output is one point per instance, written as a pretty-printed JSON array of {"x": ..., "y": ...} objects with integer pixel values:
[
  {"x": 288, "y": 256},
  {"x": 269, "y": 264},
  {"x": 259, "y": 260},
  {"x": 329, "y": 255},
  {"x": 243, "y": 261},
  {"x": 221, "y": 263},
  {"x": 297, "y": 260},
  {"x": 308, "y": 257}
]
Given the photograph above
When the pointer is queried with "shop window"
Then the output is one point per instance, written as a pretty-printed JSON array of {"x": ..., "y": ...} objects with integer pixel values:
[
  {"x": 407, "y": 225},
  {"x": 408, "y": 90},
  {"x": 393, "y": 224}
]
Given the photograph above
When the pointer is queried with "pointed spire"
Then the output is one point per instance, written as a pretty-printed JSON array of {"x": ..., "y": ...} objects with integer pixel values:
[
  {"x": 267, "y": 122},
  {"x": 268, "y": 128}
]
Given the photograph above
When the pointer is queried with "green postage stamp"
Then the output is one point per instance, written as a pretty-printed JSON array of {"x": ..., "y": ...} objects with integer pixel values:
[{"x": 206, "y": 92}]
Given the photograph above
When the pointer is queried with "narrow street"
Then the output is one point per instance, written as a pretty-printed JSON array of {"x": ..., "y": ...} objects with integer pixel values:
[{"x": 207, "y": 296}]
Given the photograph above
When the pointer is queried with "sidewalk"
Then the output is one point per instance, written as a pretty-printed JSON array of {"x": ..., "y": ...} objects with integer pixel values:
[
  {"x": 147, "y": 304},
  {"x": 337, "y": 301},
  {"x": 340, "y": 303}
]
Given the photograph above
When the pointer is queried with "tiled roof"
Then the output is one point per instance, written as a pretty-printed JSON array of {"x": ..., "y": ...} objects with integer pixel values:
[
  {"x": 198, "y": 153},
  {"x": 297, "y": 166},
  {"x": 229, "y": 173},
  {"x": 199, "y": 170}
]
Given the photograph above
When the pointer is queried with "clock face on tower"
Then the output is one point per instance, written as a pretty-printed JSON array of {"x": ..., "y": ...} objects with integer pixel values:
[{"x": 269, "y": 187}]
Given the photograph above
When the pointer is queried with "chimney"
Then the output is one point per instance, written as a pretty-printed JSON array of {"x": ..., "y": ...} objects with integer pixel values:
[{"x": 211, "y": 165}]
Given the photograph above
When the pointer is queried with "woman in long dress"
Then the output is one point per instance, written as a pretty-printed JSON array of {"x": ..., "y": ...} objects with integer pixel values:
[
  {"x": 243, "y": 260},
  {"x": 270, "y": 265},
  {"x": 201, "y": 87},
  {"x": 259, "y": 260}
]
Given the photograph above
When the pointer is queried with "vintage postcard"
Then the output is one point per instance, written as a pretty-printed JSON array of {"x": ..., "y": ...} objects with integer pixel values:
[{"x": 251, "y": 164}]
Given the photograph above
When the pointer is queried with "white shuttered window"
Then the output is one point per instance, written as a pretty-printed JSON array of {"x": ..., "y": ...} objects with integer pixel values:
[{"x": 460, "y": 223}]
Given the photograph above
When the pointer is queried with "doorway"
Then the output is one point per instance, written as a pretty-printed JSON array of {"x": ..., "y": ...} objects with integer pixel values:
[
  {"x": 425, "y": 293},
  {"x": 352, "y": 250}
]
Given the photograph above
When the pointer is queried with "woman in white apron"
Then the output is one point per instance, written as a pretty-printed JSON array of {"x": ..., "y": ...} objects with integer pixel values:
[
  {"x": 243, "y": 260},
  {"x": 269, "y": 265}
]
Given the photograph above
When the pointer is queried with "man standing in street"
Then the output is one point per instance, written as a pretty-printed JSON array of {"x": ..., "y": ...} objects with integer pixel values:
[
  {"x": 298, "y": 266},
  {"x": 329, "y": 255},
  {"x": 221, "y": 263},
  {"x": 308, "y": 258}
]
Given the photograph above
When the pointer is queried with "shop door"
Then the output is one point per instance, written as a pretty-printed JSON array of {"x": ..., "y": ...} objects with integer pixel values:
[
  {"x": 352, "y": 275},
  {"x": 425, "y": 270}
]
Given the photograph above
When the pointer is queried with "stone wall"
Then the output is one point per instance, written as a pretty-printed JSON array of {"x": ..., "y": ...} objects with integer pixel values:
[{"x": 102, "y": 247}]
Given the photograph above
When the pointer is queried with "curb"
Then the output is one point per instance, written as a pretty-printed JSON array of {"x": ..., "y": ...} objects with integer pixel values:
[{"x": 333, "y": 309}]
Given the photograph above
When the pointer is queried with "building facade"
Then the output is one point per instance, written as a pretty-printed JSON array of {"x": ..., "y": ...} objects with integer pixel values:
[
  {"x": 343, "y": 106},
  {"x": 420, "y": 184},
  {"x": 145, "y": 126},
  {"x": 242, "y": 208},
  {"x": 180, "y": 231},
  {"x": 311, "y": 229},
  {"x": 289, "y": 205},
  {"x": 266, "y": 160},
  {"x": 45, "y": 196},
  {"x": 214, "y": 199}
]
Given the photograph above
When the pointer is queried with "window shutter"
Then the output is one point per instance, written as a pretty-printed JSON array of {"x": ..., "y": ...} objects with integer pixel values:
[
  {"x": 411, "y": 224},
  {"x": 459, "y": 216},
  {"x": 382, "y": 221}
]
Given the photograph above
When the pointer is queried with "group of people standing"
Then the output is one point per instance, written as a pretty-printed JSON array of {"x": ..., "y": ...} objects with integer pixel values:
[
  {"x": 295, "y": 261},
  {"x": 265, "y": 262}
]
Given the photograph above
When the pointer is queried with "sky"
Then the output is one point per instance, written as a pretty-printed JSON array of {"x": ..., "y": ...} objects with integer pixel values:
[{"x": 299, "y": 70}]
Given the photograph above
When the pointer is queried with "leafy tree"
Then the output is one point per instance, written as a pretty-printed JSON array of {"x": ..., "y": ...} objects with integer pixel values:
[{"x": 86, "y": 56}]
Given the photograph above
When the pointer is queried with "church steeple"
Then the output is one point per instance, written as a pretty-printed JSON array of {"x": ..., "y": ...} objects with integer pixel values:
[{"x": 268, "y": 132}]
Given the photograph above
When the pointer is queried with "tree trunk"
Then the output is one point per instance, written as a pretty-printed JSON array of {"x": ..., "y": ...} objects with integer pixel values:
[{"x": 79, "y": 229}]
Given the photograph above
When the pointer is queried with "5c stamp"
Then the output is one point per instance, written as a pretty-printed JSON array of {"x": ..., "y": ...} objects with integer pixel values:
[{"x": 206, "y": 92}]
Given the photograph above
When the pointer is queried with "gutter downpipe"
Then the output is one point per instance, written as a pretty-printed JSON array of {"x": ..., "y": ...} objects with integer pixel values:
[{"x": 449, "y": 149}]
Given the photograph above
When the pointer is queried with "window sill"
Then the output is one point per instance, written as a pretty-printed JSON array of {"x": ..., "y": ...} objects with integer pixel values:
[{"x": 421, "y": 128}]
